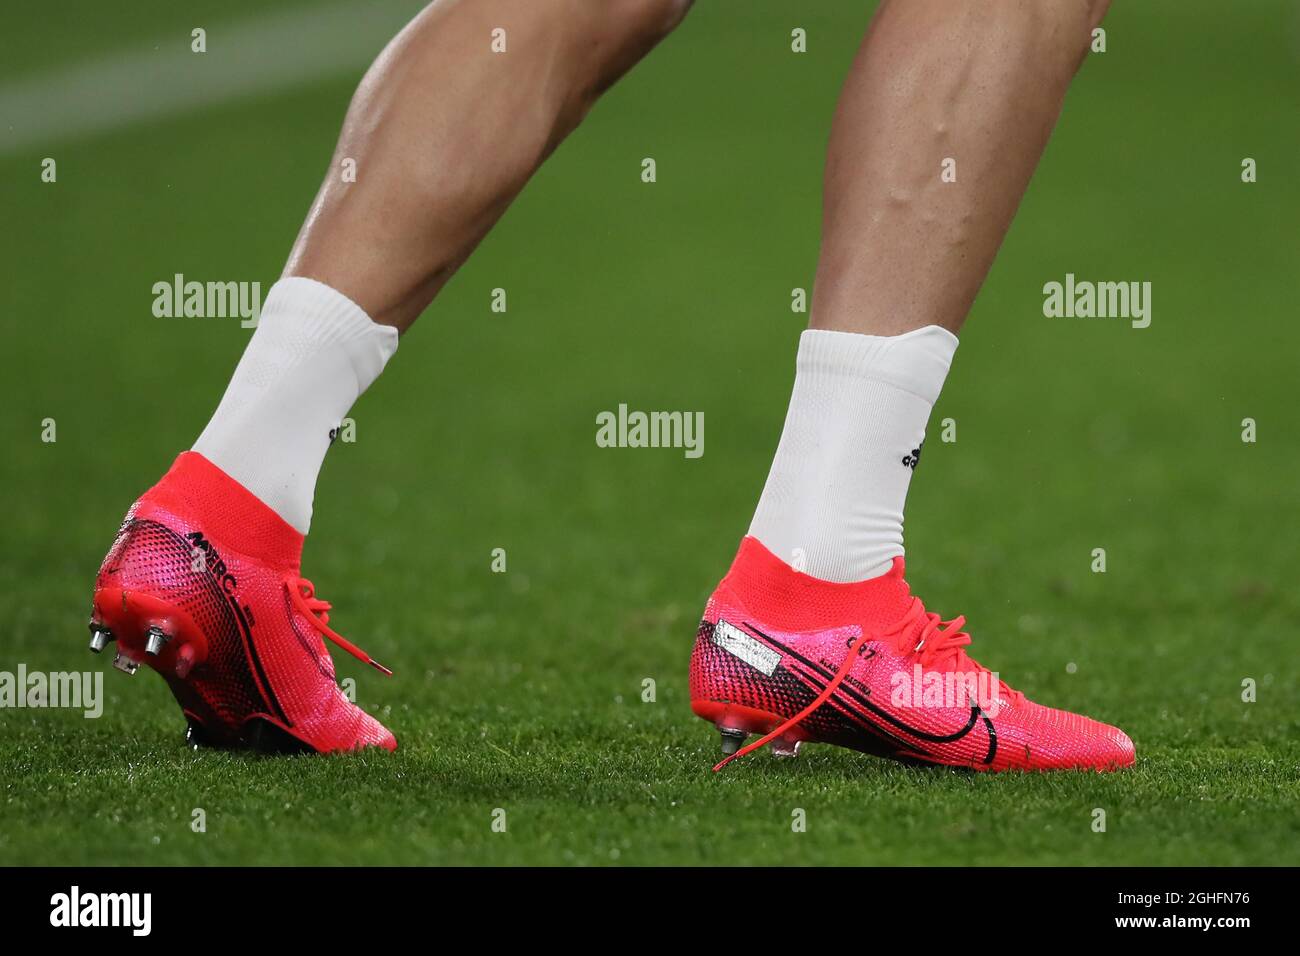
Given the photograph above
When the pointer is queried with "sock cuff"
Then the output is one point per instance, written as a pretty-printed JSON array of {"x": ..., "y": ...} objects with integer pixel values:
[
  {"x": 333, "y": 319},
  {"x": 916, "y": 361},
  {"x": 321, "y": 303}
]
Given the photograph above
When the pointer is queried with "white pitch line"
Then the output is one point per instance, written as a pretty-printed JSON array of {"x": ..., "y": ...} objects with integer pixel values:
[{"x": 259, "y": 55}]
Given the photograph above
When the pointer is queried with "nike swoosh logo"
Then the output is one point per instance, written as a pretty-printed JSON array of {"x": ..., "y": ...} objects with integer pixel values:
[{"x": 975, "y": 712}]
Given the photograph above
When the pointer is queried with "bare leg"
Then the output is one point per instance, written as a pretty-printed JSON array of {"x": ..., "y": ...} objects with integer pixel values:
[
  {"x": 980, "y": 83},
  {"x": 938, "y": 88},
  {"x": 446, "y": 127},
  {"x": 445, "y": 132}
]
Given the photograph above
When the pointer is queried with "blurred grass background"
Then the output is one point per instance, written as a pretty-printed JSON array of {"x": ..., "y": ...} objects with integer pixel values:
[{"x": 522, "y": 690}]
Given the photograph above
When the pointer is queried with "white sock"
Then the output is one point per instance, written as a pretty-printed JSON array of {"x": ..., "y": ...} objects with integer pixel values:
[
  {"x": 833, "y": 502},
  {"x": 312, "y": 355}
]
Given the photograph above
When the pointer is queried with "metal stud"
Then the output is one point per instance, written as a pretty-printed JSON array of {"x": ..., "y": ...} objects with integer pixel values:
[
  {"x": 786, "y": 747},
  {"x": 99, "y": 637},
  {"x": 125, "y": 664},
  {"x": 732, "y": 740},
  {"x": 195, "y": 735},
  {"x": 155, "y": 638}
]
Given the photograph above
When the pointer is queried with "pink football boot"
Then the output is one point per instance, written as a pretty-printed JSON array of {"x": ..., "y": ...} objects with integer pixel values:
[
  {"x": 794, "y": 658},
  {"x": 202, "y": 584}
]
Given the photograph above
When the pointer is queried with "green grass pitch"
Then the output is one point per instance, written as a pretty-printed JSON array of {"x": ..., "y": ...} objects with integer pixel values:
[{"x": 523, "y": 690}]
